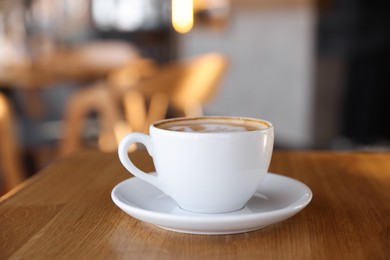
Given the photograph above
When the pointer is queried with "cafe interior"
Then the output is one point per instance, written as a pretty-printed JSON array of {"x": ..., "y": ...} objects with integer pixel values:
[{"x": 81, "y": 74}]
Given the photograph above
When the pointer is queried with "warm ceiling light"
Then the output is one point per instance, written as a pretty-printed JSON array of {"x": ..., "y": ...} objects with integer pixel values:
[{"x": 182, "y": 15}]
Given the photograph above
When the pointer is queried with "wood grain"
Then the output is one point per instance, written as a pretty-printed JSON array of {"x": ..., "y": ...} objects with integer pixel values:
[{"x": 66, "y": 211}]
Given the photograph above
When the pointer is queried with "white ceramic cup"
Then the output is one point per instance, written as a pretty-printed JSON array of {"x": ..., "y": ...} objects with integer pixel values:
[{"x": 214, "y": 172}]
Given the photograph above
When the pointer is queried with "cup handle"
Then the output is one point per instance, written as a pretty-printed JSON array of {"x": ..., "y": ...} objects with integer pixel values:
[{"x": 128, "y": 164}]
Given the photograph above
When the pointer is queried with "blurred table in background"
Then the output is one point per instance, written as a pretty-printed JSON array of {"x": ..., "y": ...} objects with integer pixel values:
[{"x": 81, "y": 63}]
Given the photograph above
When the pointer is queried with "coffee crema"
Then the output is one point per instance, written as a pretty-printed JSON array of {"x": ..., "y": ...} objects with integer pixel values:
[{"x": 213, "y": 125}]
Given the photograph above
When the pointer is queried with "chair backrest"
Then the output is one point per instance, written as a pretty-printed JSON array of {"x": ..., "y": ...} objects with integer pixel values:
[
  {"x": 184, "y": 84},
  {"x": 200, "y": 78},
  {"x": 189, "y": 80}
]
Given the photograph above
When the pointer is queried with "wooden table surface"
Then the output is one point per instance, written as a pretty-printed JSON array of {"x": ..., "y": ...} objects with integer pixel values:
[{"x": 66, "y": 211}]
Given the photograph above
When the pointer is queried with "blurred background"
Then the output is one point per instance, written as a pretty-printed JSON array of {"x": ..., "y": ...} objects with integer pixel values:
[{"x": 80, "y": 74}]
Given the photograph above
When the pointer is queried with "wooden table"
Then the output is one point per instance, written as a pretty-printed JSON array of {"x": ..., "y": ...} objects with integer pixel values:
[
  {"x": 85, "y": 62},
  {"x": 66, "y": 211}
]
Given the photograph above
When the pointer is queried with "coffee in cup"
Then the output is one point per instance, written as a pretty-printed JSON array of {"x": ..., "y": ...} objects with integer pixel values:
[
  {"x": 206, "y": 164},
  {"x": 212, "y": 125}
]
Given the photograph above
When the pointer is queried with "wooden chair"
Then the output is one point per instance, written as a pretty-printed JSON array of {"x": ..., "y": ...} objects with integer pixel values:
[
  {"x": 10, "y": 156},
  {"x": 185, "y": 85},
  {"x": 104, "y": 98}
]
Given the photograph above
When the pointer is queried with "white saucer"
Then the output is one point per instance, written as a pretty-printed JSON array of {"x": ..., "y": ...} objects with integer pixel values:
[{"x": 277, "y": 199}]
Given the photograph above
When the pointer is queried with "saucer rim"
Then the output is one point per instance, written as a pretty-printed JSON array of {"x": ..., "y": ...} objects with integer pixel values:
[{"x": 289, "y": 210}]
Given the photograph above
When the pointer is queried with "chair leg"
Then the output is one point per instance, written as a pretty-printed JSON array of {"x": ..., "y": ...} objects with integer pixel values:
[
  {"x": 135, "y": 112},
  {"x": 109, "y": 117},
  {"x": 157, "y": 110},
  {"x": 73, "y": 125},
  {"x": 10, "y": 156}
]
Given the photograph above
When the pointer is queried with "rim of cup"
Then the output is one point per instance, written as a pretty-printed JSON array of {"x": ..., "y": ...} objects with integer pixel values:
[{"x": 267, "y": 124}]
